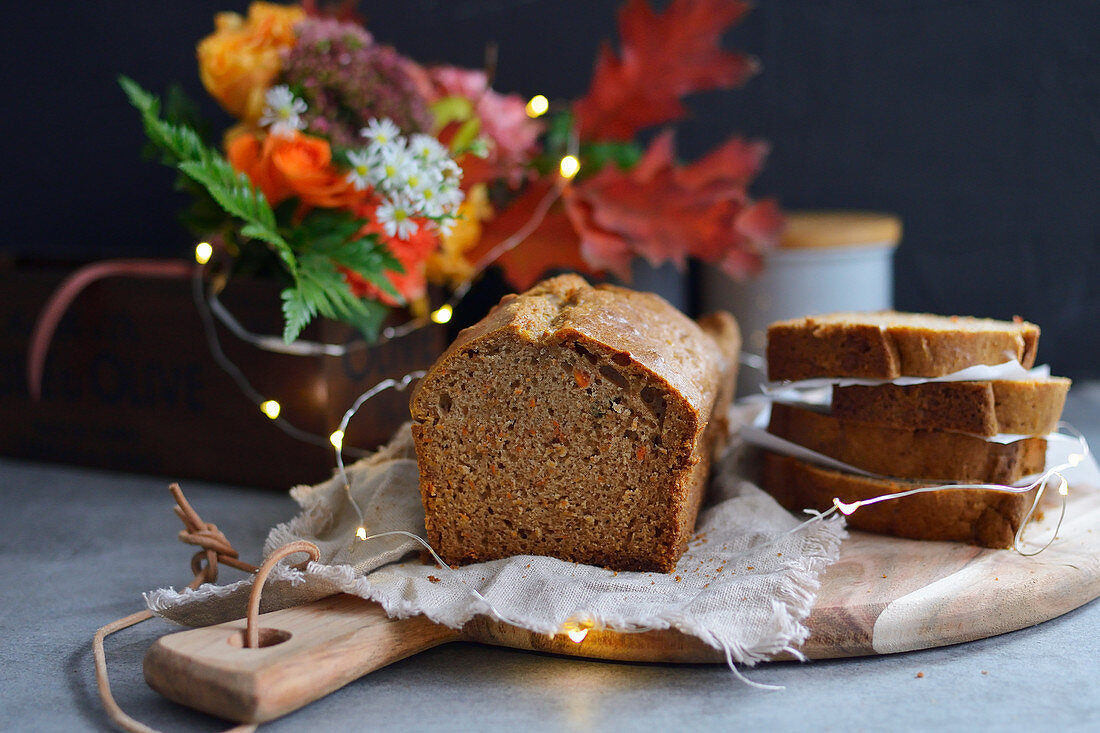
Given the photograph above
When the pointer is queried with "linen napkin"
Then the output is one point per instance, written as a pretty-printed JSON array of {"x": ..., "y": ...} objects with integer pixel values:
[{"x": 744, "y": 586}]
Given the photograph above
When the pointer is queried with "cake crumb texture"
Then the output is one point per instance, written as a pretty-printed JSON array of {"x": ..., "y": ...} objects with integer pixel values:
[
  {"x": 1017, "y": 407},
  {"x": 924, "y": 454}
]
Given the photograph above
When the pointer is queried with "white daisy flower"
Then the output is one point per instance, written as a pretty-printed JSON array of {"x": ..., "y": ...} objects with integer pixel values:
[
  {"x": 416, "y": 176},
  {"x": 423, "y": 178},
  {"x": 393, "y": 168},
  {"x": 446, "y": 225},
  {"x": 450, "y": 196},
  {"x": 282, "y": 111},
  {"x": 428, "y": 149},
  {"x": 451, "y": 170},
  {"x": 383, "y": 131},
  {"x": 427, "y": 200},
  {"x": 396, "y": 217},
  {"x": 359, "y": 176}
]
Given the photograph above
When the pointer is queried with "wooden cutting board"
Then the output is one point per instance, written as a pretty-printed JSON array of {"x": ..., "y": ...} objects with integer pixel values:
[{"x": 884, "y": 595}]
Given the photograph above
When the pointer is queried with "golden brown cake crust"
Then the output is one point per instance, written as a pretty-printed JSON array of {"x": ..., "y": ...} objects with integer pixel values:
[
  {"x": 986, "y": 518},
  {"x": 888, "y": 345},
  {"x": 573, "y": 421},
  {"x": 658, "y": 337},
  {"x": 1018, "y": 407},
  {"x": 908, "y": 453}
]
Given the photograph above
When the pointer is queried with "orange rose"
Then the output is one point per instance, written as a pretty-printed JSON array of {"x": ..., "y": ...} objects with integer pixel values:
[
  {"x": 240, "y": 60},
  {"x": 305, "y": 164},
  {"x": 245, "y": 153},
  {"x": 292, "y": 165}
]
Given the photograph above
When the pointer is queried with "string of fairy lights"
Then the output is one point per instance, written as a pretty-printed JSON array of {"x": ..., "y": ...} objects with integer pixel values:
[
  {"x": 1039, "y": 485},
  {"x": 210, "y": 308}
]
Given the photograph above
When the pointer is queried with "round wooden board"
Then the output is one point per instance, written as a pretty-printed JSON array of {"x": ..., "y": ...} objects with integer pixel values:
[{"x": 888, "y": 595}]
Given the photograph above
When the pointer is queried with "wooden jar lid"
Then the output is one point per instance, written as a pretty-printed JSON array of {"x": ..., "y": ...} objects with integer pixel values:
[{"x": 811, "y": 229}]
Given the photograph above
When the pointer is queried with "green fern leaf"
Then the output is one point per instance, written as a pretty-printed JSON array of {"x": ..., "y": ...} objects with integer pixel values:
[
  {"x": 323, "y": 287},
  {"x": 297, "y": 312},
  {"x": 371, "y": 260},
  {"x": 230, "y": 189}
]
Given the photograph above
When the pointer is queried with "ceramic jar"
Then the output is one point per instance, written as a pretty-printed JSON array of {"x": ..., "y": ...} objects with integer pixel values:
[{"x": 827, "y": 261}]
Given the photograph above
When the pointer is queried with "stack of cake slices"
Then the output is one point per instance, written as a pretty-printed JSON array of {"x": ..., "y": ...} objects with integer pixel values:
[{"x": 901, "y": 426}]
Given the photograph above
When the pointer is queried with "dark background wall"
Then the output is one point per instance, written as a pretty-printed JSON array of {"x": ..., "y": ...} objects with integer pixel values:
[{"x": 978, "y": 122}]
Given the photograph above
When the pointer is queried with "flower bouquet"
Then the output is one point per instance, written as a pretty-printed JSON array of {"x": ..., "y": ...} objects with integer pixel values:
[
  {"x": 359, "y": 176},
  {"x": 363, "y": 186}
]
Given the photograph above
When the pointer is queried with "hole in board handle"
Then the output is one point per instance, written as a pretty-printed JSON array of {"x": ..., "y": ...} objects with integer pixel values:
[{"x": 268, "y": 637}]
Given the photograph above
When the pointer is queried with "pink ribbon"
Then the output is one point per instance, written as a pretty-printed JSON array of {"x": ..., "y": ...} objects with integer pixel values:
[{"x": 70, "y": 288}]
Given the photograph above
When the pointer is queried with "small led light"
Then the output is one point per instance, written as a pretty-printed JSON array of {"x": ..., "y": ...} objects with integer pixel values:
[
  {"x": 1075, "y": 459},
  {"x": 337, "y": 439},
  {"x": 576, "y": 635},
  {"x": 443, "y": 313},
  {"x": 270, "y": 408},
  {"x": 569, "y": 166},
  {"x": 847, "y": 509},
  {"x": 576, "y": 630},
  {"x": 361, "y": 533},
  {"x": 537, "y": 106},
  {"x": 203, "y": 251},
  {"x": 1063, "y": 487}
]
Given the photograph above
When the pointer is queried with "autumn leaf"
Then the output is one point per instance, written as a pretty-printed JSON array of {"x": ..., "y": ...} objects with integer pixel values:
[
  {"x": 664, "y": 56},
  {"x": 761, "y": 222},
  {"x": 663, "y": 211},
  {"x": 553, "y": 245}
]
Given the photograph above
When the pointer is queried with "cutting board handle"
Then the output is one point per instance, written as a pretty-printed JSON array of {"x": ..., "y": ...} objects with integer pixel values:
[{"x": 306, "y": 652}]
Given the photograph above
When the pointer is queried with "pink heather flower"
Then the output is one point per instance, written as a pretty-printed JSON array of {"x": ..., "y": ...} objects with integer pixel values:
[
  {"x": 347, "y": 79},
  {"x": 512, "y": 134},
  {"x": 456, "y": 82}
]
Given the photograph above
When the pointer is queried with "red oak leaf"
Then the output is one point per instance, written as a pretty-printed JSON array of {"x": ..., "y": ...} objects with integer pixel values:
[
  {"x": 553, "y": 245},
  {"x": 761, "y": 222},
  {"x": 665, "y": 212},
  {"x": 664, "y": 57}
]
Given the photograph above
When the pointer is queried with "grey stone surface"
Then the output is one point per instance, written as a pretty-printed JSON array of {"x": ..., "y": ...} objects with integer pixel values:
[{"x": 80, "y": 546}]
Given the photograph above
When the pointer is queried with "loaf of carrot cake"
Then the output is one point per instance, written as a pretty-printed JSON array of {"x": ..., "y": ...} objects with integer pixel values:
[
  {"x": 573, "y": 421},
  {"x": 916, "y": 434}
]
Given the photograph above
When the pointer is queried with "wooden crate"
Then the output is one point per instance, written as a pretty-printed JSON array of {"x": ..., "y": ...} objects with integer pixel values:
[{"x": 130, "y": 384}]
